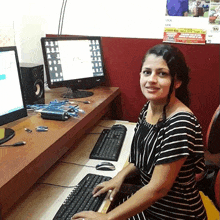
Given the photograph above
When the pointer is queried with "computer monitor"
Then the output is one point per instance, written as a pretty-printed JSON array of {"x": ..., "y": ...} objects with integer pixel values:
[
  {"x": 73, "y": 62},
  {"x": 11, "y": 92}
]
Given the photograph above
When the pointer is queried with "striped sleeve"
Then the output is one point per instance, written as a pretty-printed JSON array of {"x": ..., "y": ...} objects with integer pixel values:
[{"x": 182, "y": 138}]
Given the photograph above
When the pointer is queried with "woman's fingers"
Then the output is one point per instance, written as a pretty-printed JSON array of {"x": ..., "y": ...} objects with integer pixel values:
[
  {"x": 105, "y": 187},
  {"x": 98, "y": 187},
  {"x": 100, "y": 191},
  {"x": 113, "y": 194}
]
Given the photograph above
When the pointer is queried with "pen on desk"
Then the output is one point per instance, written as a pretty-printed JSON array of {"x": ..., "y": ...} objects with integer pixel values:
[
  {"x": 77, "y": 101},
  {"x": 28, "y": 130},
  {"x": 20, "y": 143}
]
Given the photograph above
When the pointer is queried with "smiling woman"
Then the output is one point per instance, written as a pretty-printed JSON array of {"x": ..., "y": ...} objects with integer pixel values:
[
  {"x": 166, "y": 150},
  {"x": 173, "y": 63},
  {"x": 155, "y": 79},
  {"x": 164, "y": 80}
]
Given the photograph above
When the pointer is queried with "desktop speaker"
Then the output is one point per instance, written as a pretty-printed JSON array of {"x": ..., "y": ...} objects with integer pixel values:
[{"x": 32, "y": 78}]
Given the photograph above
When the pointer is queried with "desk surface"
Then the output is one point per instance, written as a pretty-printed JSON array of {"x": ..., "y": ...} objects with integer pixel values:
[
  {"x": 43, "y": 201},
  {"x": 21, "y": 167}
]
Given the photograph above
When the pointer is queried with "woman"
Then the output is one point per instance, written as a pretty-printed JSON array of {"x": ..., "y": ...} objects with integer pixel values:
[{"x": 167, "y": 149}]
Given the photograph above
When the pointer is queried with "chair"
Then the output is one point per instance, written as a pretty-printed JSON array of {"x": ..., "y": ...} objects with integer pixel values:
[
  {"x": 217, "y": 191},
  {"x": 213, "y": 133},
  {"x": 211, "y": 180},
  {"x": 212, "y": 153}
]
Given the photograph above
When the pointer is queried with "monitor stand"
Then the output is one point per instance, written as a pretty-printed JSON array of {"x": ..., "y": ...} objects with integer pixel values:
[
  {"x": 6, "y": 134},
  {"x": 75, "y": 93}
]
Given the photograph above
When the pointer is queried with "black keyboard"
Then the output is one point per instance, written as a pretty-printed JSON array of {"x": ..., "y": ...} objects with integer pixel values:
[
  {"x": 109, "y": 143},
  {"x": 81, "y": 198}
]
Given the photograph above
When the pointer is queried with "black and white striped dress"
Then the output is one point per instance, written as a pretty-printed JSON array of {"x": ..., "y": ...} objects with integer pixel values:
[{"x": 180, "y": 137}]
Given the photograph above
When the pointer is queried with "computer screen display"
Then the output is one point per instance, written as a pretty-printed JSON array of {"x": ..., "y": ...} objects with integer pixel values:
[
  {"x": 73, "y": 62},
  {"x": 11, "y": 93}
]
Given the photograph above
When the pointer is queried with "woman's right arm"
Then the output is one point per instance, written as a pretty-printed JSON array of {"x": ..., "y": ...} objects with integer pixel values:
[{"x": 115, "y": 183}]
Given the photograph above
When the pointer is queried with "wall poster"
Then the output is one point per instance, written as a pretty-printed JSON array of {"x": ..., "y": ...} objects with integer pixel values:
[
  {"x": 192, "y": 21},
  {"x": 213, "y": 31}
]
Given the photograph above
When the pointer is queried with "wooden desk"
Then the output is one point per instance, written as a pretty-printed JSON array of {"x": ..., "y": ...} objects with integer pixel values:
[
  {"x": 21, "y": 167},
  {"x": 42, "y": 201}
]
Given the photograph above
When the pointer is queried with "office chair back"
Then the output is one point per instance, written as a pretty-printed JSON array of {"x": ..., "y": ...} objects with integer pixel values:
[
  {"x": 213, "y": 133},
  {"x": 217, "y": 191}
]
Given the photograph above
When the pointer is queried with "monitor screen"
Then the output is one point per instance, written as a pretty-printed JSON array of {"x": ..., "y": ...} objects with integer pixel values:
[
  {"x": 11, "y": 93},
  {"x": 73, "y": 62}
]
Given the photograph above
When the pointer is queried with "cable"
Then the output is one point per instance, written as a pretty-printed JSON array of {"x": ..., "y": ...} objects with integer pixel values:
[
  {"x": 62, "y": 12},
  {"x": 20, "y": 143},
  {"x": 63, "y": 17},
  {"x": 50, "y": 184},
  {"x": 67, "y": 186},
  {"x": 77, "y": 164}
]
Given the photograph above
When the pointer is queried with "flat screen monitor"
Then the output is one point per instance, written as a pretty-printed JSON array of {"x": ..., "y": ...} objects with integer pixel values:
[
  {"x": 11, "y": 92},
  {"x": 73, "y": 62}
]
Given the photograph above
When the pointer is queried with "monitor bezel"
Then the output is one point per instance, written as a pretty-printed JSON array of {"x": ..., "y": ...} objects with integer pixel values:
[
  {"x": 81, "y": 83},
  {"x": 21, "y": 113}
]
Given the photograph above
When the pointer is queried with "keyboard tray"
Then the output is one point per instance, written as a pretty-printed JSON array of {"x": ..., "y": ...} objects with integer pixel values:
[{"x": 81, "y": 198}]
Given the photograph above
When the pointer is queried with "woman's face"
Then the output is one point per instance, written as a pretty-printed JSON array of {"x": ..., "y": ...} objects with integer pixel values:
[{"x": 155, "y": 79}]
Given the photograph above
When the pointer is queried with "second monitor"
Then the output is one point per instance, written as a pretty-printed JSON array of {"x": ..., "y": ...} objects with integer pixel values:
[{"x": 73, "y": 62}]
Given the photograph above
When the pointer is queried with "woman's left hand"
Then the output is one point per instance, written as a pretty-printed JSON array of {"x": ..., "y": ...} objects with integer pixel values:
[{"x": 89, "y": 215}]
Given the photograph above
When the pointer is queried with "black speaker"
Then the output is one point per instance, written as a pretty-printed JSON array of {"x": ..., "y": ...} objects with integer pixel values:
[{"x": 32, "y": 78}]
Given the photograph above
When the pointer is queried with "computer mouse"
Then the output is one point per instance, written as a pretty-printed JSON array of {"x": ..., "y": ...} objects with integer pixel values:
[
  {"x": 106, "y": 166},
  {"x": 119, "y": 127}
]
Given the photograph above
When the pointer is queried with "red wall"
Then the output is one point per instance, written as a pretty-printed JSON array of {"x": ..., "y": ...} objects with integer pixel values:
[{"x": 122, "y": 57}]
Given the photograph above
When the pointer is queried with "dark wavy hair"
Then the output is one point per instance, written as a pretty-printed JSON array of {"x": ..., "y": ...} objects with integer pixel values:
[{"x": 178, "y": 69}]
